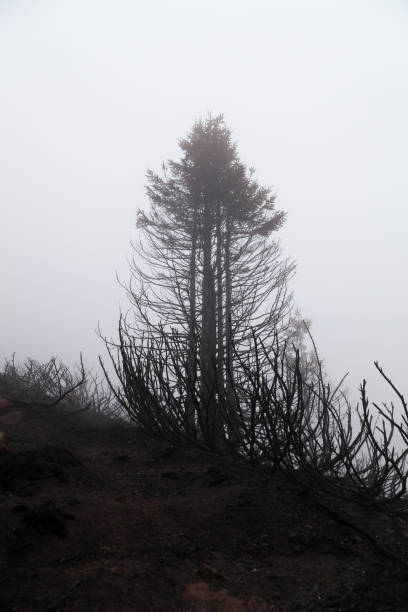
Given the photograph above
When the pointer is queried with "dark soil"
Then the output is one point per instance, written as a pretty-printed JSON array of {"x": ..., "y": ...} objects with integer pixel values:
[{"x": 96, "y": 517}]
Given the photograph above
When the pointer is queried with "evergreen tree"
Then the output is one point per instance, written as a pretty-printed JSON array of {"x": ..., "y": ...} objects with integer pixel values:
[{"x": 211, "y": 268}]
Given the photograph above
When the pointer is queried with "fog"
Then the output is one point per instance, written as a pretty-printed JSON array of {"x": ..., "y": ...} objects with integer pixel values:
[{"x": 93, "y": 92}]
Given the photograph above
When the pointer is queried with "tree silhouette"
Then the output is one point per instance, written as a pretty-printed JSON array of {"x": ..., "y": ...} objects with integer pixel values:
[{"x": 206, "y": 264}]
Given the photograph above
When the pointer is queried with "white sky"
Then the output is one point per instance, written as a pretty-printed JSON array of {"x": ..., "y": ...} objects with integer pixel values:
[{"x": 93, "y": 92}]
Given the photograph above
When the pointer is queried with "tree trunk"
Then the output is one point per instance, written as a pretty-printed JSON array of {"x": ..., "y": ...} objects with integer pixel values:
[
  {"x": 229, "y": 348},
  {"x": 192, "y": 329},
  {"x": 208, "y": 348},
  {"x": 228, "y": 302},
  {"x": 220, "y": 301}
]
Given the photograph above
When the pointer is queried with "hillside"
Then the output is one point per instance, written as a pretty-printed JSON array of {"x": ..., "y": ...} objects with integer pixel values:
[{"x": 96, "y": 517}]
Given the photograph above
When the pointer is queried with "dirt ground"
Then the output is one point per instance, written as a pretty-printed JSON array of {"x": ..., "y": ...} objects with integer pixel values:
[{"x": 96, "y": 517}]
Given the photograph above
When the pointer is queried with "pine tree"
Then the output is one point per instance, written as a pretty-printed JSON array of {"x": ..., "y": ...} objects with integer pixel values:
[{"x": 211, "y": 268}]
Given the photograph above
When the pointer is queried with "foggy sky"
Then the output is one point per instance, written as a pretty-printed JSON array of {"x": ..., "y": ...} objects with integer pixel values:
[{"x": 93, "y": 92}]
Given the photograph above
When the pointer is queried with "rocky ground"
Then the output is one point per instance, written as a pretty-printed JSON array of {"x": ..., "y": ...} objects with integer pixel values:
[{"x": 96, "y": 517}]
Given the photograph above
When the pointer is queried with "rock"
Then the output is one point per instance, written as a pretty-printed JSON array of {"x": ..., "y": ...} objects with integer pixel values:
[{"x": 210, "y": 573}]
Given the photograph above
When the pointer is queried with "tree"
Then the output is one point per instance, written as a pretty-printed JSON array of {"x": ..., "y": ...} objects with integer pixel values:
[
  {"x": 300, "y": 347},
  {"x": 207, "y": 266},
  {"x": 213, "y": 356}
]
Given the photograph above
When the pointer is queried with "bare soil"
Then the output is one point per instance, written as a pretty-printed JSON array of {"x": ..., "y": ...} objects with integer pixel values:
[{"x": 97, "y": 517}]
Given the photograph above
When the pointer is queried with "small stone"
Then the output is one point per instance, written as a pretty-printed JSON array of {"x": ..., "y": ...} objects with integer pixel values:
[{"x": 207, "y": 572}]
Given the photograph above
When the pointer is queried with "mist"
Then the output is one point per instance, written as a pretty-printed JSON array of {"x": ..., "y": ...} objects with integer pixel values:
[{"x": 94, "y": 93}]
